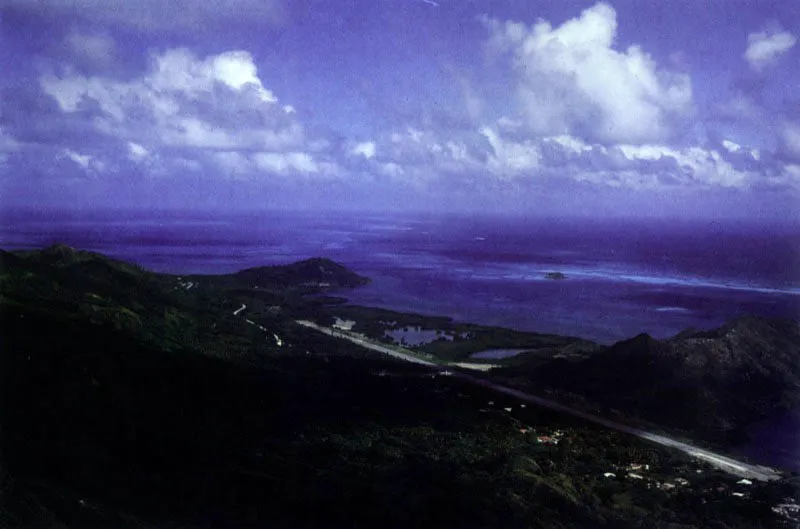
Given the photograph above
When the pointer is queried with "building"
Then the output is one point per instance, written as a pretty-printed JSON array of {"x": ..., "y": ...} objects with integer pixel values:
[{"x": 344, "y": 325}]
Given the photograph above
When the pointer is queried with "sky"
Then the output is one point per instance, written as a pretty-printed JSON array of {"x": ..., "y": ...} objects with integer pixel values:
[{"x": 685, "y": 108}]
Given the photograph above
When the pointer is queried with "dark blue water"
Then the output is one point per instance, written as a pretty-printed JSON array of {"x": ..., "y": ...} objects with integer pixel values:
[
  {"x": 623, "y": 277},
  {"x": 496, "y": 354}
]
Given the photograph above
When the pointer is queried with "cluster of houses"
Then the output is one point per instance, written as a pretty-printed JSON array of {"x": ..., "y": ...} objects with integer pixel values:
[
  {"x": 789, "y": 509},
  {"x": 635, "y": 468},
  {"x": 545, "y": 439},
  {"x": 736, "y": 493},
  {"x": 669, "y": 485},
  {"x": 186, "y": 285},
  {"x": 552, "y": 439},
  {"x": 635, "y": 472}
]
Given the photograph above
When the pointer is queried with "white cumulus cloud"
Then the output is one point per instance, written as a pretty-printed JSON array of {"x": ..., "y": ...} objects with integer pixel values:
[
  {"x": 137, "y": 152},
  {"x": 509, "y": 158},
  {"x": 572, "y": 80},
  {"x": 88, "y": 163},
  {"x": 704, "y": 166},
  {"x": 81, "y": 159},
  {"x": 731, "y": 146},
  {"x": 764, "y": 47},
  {"x": 202, "y": 106},
  {"x": 791, "y": 140},
  {"x": 365, "y": 149},
  {"x": 180, "y": 70}
]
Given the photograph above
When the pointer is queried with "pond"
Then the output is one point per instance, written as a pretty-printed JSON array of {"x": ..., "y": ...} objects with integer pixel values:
[{"x": 497, "y": 353}]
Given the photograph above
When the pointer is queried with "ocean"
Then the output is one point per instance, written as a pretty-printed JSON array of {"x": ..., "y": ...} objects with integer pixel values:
[{"x": 623, "y": 277}]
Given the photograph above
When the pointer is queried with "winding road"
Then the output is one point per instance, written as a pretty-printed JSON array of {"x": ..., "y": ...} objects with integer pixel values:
[{"x": 722, "y": 462}]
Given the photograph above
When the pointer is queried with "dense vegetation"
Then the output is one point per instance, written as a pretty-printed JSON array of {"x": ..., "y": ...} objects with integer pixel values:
[
  {"x": 134, "y": 399},
  {"x": 712, "y": 385}
]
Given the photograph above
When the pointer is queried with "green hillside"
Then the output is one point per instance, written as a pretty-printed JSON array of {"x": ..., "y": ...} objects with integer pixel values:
[{"x": 135, "y": 399}]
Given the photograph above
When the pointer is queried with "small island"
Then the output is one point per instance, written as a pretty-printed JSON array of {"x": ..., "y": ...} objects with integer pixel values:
[{"x": 554, "y": 275}]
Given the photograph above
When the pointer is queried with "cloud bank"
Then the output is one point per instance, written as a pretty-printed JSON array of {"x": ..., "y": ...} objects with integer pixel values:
[
  {"x": 214, "y": 109},
  {"x": 556, "y": 109}
]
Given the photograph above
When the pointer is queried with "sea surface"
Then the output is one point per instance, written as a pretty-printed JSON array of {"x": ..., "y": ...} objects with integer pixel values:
[{"x": 623, "y": 277}]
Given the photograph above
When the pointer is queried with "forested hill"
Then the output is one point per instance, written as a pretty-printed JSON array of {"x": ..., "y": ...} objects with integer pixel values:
[
  {"x": 136, "y": 399},
  {"x": 712, "y": 384}
]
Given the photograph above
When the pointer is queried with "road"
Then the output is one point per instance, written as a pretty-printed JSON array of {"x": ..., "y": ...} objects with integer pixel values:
[
  {"x": 368, "y": 344},
  {"x": 722, "y": 462}
]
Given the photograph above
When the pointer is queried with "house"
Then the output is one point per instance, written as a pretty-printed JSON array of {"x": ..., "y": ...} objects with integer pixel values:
[
  {"x": 344, "y": 325},
  {"x": 546, "y": 439}
]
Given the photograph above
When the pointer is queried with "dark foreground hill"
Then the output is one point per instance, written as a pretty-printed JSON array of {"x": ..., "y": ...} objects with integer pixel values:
[
  {"x": 134, "y": 399},
  {"x": 711, "y": 384}
]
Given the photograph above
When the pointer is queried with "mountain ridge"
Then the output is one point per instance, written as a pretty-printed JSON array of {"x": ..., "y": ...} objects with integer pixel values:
[{"x": 712, "y": 383}]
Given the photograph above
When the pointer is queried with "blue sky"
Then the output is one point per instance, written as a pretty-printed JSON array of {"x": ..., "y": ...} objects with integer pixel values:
[{"x": 675, "y": 108}]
